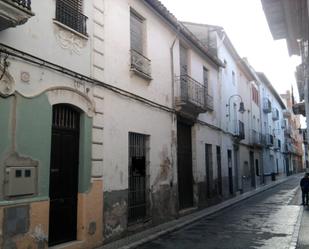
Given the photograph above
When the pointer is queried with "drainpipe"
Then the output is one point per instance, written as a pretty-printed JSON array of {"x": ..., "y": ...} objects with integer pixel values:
[{"x": 173, "y": 131}]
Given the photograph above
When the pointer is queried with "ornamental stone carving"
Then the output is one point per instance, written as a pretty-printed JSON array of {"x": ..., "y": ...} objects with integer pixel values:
[
  {"x": 7, "y": 83},
  {"x": 69, "y": 40}
]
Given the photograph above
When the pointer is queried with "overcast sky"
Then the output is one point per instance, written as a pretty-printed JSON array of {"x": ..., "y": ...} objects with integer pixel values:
[{"x": 246, "y": 25}]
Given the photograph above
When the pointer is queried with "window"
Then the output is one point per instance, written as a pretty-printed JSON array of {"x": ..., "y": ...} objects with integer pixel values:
[
  {"x": 233, "y": 78},
  {"x": 279, "y": 144},
  {"x": 137, "y": 33},
  {"x": 139, "y": 63},
  {"x": 241, "y": 130},
  {"x": 255, "y": 95},
  {"x": 69, "y": 13},
  {"x": 205, "y": 77}
]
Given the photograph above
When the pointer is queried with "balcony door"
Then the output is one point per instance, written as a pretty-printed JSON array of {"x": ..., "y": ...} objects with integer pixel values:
[{"x": 183, "y": 54}]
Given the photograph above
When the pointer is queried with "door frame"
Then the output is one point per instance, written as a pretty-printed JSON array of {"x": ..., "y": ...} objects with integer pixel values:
[{"x": 69, "y": 115}]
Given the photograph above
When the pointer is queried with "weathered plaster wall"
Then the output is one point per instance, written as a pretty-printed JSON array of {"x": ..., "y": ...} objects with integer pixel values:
[
  {"x": 33, "y": 135},
  {"x": 141, "y": 119},
  {"x": 65, "y": 48},
  {"x": 24, "y": 226}
]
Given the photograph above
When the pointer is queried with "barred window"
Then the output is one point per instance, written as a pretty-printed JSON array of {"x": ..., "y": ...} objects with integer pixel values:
[{"x": 69, "y": 13}]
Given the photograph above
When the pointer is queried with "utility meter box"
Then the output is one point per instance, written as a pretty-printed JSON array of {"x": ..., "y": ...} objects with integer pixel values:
[{"x": 20, "y": 181}]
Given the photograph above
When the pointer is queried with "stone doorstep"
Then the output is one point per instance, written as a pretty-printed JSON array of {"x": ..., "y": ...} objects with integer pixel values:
[{"x": 150, "y": 234}]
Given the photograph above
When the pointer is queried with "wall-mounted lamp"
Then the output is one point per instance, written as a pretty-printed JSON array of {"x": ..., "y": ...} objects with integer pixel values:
[{"x": 241, "y": 105}]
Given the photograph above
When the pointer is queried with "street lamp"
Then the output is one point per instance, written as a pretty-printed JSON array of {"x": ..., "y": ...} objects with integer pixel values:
[{"x": 241, "y": 105}]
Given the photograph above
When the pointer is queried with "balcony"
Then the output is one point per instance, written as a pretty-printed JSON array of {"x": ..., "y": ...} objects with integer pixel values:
[
  {"x": 286, "y": 114},
  {"x": 256, "y": 138},
  {"x": 300, "y": 78},
  {"x": 283, "y": 124},
  {"x": 290, "y": 148},
  {"x": 14, "y": 13},
  {"x": 269, "y": 140},
  {"x": 299, "y": 108},
  {"x": 70, "y": 16},
  {"x": 140, "y": 65},
  {"x": 287, "y": 132},
  {"x": 277, "y": 144},
  {"x": 193, "y": 97},
  {"x": 240, "y": 133},
  {"x": 275, "y": 114},
  {"x": 266, "y": 105}
]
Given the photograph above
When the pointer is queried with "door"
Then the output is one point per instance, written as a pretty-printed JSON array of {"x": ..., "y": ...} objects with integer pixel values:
[
  {"x": 218, "y": 152},
  {"x": 209, "y": 170},
  {"x": 185, "y": 176},
  {"x": 252, "y": 169},
  {"x": 230, "y": 172},
  {"x": 137, "y": 205},
  {"x": 63, "y": 175}
]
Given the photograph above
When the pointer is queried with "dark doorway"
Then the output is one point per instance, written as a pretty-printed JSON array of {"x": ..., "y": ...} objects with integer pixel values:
[
  {"x": 63, "y": 186},
  {"x": 219, "y": 170},
  {"x": 229, "y": 162},
  {"x": 252, "y": 169},
  {"x": 137, "y": 203},
  {"x": 257, "y": 168},
  {"x": 185, "y": 176},
  {"x": 287, "y": 166},
  {"x": 209, "y": 171}
]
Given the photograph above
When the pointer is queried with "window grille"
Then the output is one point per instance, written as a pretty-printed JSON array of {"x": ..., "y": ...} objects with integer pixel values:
[{"x": 69, "y": 12}]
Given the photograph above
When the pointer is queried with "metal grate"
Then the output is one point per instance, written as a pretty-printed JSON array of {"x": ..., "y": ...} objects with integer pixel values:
[
  {"x": 70, "y": 15},
  {"x": 65, "y": 117},
  {"x": 23, "y": 3},
  {"x": 192, "y": 91},
  {"x": 140, "y": 63},
  {"x": 137, "y": 202}
]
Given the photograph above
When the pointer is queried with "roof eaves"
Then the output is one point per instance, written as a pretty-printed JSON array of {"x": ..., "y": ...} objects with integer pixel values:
[
  {"x": 164, "y": 12},
  {"x": 265, "y": 80}
]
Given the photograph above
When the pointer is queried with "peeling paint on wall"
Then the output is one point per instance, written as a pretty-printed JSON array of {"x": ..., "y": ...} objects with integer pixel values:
[{"x": 115, "y": 214}]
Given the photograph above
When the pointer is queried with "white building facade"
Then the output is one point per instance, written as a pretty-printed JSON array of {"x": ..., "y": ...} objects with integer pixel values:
[{"x": 117, "y": 117}]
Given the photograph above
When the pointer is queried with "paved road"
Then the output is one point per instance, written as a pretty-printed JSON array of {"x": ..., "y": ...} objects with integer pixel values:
[{"x": 266, "y": 221}]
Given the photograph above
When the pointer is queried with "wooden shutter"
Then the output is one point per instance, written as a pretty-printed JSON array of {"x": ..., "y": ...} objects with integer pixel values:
[
  {"x": 136, "y": 29},
  {"x": 75, "y": 4}
]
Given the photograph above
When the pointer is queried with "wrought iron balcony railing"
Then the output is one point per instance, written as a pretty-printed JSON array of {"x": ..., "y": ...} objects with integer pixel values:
[
  {"x": 140, "y": 64},
  {"x": 283, "y": 124},
  {"x": 240, "y": 133},
  {"x": 71, "y": 17},
  {"x": 269, "y": 140},
  {"x": 194, "y": 93},
  {"x": 275, "y": 114},
  {"x": 14, "y": 13},
  {"x": 286, "y": 114},
  {"x": 23, "y": 3},
  {"x": 288, "y": 131},
  {"x": 256, "y": 138},
  {"x": 266, "y": 105}
]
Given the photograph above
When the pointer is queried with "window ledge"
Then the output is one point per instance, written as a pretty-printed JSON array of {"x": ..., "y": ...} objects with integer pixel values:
[
  {"x": 86, "y": 37},
  {"x": 141, "y": 74}
]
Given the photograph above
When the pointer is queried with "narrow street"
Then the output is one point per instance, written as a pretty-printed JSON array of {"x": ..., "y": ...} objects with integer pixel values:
[{"x": 266, "y": 220}]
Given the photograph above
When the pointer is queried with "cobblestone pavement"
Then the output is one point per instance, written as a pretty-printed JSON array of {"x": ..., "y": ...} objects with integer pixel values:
[{"x": 267, "y": 220}]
